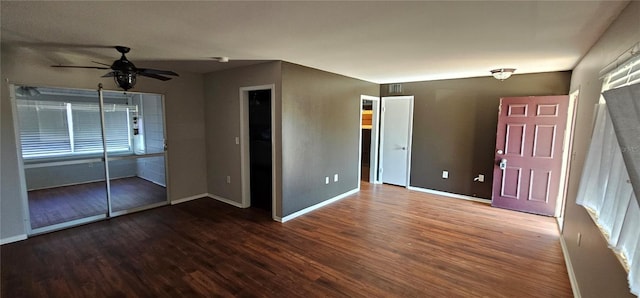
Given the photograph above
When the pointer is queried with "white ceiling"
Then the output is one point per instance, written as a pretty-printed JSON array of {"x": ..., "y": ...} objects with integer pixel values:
[{"x": 380, "y": 42}]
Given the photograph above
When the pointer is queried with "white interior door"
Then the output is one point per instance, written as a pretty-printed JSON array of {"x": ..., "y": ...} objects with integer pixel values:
[{"x": 397, "y": 120}]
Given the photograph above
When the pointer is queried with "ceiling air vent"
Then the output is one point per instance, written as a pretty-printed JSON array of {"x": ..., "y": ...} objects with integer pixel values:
[{"x": 395, "y": 88}]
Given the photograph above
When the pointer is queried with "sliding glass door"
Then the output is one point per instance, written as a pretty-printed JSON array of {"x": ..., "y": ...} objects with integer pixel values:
[
  {"x": 87, "y": 159},
  {"x": 135, "y": 152},
  {"x": 61, "y": 146}
]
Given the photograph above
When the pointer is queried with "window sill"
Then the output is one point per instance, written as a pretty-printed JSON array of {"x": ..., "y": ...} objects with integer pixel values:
[{"x": 81, "y": 159}]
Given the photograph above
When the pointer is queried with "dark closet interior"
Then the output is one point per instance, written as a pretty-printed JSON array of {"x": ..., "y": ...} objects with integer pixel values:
[{"x": 260, "y": 148}]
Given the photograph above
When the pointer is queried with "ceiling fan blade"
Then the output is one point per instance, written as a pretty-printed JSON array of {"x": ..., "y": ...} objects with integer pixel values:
[
  {"x": 96, "y": 62},
  {"x": 70, "y": 66},
  {"x": 155, "y": 76},
  {"x": 111, "y": 74},
  {"x": 157, "y": 71}
]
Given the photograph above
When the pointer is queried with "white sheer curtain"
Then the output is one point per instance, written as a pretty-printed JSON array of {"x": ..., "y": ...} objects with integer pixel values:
[
  {"x": 606, "y": 191},
  {"x": 629, "y": 244}
]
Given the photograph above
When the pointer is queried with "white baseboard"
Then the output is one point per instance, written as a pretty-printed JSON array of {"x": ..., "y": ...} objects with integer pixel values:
[
  {"x": 191, "y": 198},
  {"x": 450, "y": 195},
  {"x": 13, "y": 239},
  {"x": 225, "y": 200},
  {"x": 572, "y": 275},
  {"x": 316, "y": 206}
]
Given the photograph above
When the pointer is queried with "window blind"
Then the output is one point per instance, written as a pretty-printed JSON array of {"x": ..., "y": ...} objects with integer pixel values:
[
  {"x": 627, "y": 74},
  {"x": 87, "y": 135},
  {"x": 116, "y": 119},
  {"x": 54, "y": 128},
  {"x": 44, "y": 129}
]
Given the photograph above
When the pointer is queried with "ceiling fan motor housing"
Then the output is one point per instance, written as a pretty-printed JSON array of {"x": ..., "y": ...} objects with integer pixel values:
[
  {"x": 123, "y": 64},
  {"x": 124, "y": 72}
]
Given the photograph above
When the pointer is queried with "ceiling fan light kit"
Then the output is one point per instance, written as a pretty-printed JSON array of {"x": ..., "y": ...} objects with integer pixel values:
[
  {"x": 502, "y": 73},
  {"x": 124, "y": 72},
  {"x": 126, "y": 81}
]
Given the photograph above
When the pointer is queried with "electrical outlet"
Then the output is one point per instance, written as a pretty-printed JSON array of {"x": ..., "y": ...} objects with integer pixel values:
[
  {"x": 335, "y": 178},
  {"x": 445, "y": 174},
  {"x": 326, "y": 180},
  {"x": 228, "y": 179}
]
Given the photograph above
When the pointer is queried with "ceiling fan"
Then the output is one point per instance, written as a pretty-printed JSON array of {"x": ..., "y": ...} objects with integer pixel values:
[{"x": 124, "y": 72}]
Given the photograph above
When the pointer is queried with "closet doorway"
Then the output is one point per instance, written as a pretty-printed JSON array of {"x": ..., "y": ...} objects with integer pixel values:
[
  {"x": 87, "y": 155},
  {"x": 260, "y": 152},
  {"x": 257, "y": 147},
  {"x": 369, "y": 138}
]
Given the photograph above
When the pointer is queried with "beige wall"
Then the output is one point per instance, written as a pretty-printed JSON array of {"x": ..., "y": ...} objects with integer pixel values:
[
  {"x": 598, "y": 272},
  {"x": 184, "y": 102},
  {"x": 454, "y": 127},
  {"x": 316, "y": 123},
  {"x": 320, "y": 134},
  {"x": 222, "y": 109}
]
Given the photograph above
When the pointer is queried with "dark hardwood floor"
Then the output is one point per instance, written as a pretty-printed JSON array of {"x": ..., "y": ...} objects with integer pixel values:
[
  {"x": 61, "y": 204},
  {"x": 385, "y": 241}
]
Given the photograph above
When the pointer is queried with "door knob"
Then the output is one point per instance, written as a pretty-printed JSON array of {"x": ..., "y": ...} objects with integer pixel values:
[
  {"x": 404, "y": 148},
  {"x": 500, "y": 151}
]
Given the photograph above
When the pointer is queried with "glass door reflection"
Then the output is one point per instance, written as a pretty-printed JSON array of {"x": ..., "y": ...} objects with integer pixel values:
[
  {"x": 134, "y": 131},
  {"x": 69, "y": 177},
  {"x": 61, "y": 143}
]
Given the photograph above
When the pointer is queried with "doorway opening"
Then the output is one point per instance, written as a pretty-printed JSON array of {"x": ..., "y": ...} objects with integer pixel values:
[
  {"x": 369, "y": 138},
  {"x": 260, "y": 152},
  {"x": 257, "y": 147}
]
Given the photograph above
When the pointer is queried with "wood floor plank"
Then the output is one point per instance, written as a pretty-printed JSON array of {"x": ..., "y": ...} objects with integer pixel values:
[
  {"x": 385, "y": 241},
  {"x": 66, "y": 203}
]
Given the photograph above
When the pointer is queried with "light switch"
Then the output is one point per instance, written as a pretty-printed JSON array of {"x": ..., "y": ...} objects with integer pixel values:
[{"x": 445, "y": 174}]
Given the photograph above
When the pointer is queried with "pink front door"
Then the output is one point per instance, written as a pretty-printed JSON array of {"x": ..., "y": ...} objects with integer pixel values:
[{"x": 528, "y": 156}]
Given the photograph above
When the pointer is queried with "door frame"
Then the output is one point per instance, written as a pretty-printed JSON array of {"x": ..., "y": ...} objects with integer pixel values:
[
  {"x": 21, "y": 174},
  {"x": 243, "y": 141},
  {"x": 567, "y": 157},
  {"x": 375, "y": 140},
  {"x": 164, "y": 154},
  {"x": 409, "y": 140}
]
